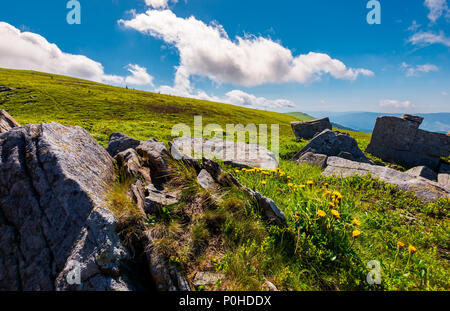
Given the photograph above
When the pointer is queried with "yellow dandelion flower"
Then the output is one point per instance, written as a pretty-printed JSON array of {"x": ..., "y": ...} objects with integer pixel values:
[
  {"x": 310, "y": 183},
  {"x": 412, "y": 249},
  {"x": 266, "y": 173},
  {"x": 289, "y": 177},
  {"x": 335, "y": 213},
  {"x": 400, "y": 244},
  {"x": 237, "y": 171},
  {"x": 326, "y": 185},
  {"x": 290, "y": 184},
  {"x": 321, "y": 213},
  {"x": 331, "y": 204},
  {"x": 356, "y": 233},
  {"x": 263, "y": 182},
  {"x": 302, "y": 186},
  {"x": 356, "y": 222}
]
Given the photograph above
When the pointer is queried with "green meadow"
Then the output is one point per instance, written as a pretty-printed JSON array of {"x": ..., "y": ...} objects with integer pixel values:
[{"x": 336, "y": 226}]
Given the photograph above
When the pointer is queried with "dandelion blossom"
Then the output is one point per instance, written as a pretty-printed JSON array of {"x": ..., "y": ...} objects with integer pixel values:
[
  {"x": 412, "y": 249},
  {"x": 356, "y": 222},
  {"x": 263, "y": 182},
  {"x": 335, "y": 213},
  {"x": 356, "y": 233},
  {"x": 310, "y": 183},
  {"x": 331, "y": 204},
  {"x": 321, "y": 213},
  {"x": 400, "y": 244}
]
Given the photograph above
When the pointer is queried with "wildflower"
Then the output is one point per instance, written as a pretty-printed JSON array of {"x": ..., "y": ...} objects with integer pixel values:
[
  {"x": 289, "y": 177},
  {"x": 326, "y": 185},
  {"x": 356, "y": 233},
  {"x": 331, "y": 204},
  {"x": 290, "y": 184},
  {"x": 412, "y": 249},
  {"x": 281, "y": 174},
  {"x": 302, "y": 186},
  {"x": 266, "y": 173},
  {"x": 356, "y": 222},
  {"x": 335, "y": 213},
  {"x": 400, "y": 244},
  {"x": 237, "y": 171},
  {"x": 263, "y": 182},
  {"x": 310, "y": 183},
  {"x": 321, "y": 213}
]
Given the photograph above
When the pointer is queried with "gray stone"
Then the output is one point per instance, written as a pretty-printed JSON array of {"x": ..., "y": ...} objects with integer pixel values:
[
  {"x": 399, "y": 140},
  {"x": 206, "y": 181},
  {"x": 6, "y": 89},
  {"x": 415, "y": 119},
  {"x": 270, "y": 209},
  {"x": 129, "y": 161},
  {"x": 207, "y": 278},
  {"x": 313, "y": 159},
  {"x": 154, "y": 155},
  {"x": 423, "y": 171},
  {"x": 156, "y": 199},
  {"x": 332, "y": 143},
  {"x": 444, "y": 175},
  {"x": 423, "y": 188},
  {"x": 119, "y": 142},
  {"x": 309, "y": 129},
  {"x": 270, "y": 286},
  {"x": 234, "y": 153},
  {"x": 7, "y": 122},
  {"x": 54, "y": 181}
]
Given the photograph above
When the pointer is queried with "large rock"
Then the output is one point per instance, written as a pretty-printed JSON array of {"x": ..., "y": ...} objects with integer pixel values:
[
  {"x": 444, "y": 175},
  {"x": 7, "y": 122},
  {"x": 400, "y": 140},
  {"x": 54, "y": 220},
  {"x": 309, "y": 129},
  {"x": 423, "y": 171},
  {"x": 234, "y": 153},
  {"x": 423, "y": 188},
  {"x": 313, "y": 159},
  {"x": 332, "y": 143}
]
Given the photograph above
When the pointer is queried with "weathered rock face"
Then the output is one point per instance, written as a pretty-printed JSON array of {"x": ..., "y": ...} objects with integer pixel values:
[
  {"x": 7, "y": 122},
  {"x": 307, "y": 130},
  {"x": 237, "y": 154},
  {"x": 444, "y": 175},
  {"x": 313, "y": 159},
  {"x": 423, "y": 171},
  {"x": 422, "y": 187},
  {"x": 54, "y": 180},
  {"x": 400, "y": 140},
  {"x": 332, "y": 143}
]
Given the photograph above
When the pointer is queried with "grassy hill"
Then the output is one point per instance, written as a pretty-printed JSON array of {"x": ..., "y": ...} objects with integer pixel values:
[{"x": 313, "y": 252}]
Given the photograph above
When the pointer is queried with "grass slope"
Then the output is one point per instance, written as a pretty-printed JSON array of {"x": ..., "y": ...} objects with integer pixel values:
[{"x": 312, "y": 252}]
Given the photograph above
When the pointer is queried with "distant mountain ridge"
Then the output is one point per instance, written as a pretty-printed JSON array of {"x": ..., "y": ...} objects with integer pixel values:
[{"x": 365, "y": 121}]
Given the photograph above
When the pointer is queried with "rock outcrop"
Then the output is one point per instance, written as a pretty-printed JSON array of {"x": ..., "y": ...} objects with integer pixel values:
[
  {"x": 444, "y": 175},
  {"x": 309, "y": 129},
  {"x": 423, "y": 188},
  {"x": 332, "y": 143},
  {"x": 234, "y": 153},
  {"x": 423, "y": 171},
  {"x": 54, "y": 221},
  {"x": 313, "y": 159},
  {"x": 400, "y": 140},
  {"x": 7, "y": 122}
]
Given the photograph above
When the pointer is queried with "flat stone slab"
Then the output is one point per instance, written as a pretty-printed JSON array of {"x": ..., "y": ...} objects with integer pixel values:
[
  {"x": 309, "y": 129},
  {"x": 423, "y": 188},
  {"x": 234, "y": 153}
]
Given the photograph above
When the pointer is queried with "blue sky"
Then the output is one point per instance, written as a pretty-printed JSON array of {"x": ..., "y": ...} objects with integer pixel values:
[{"x": 292, "y": 55}]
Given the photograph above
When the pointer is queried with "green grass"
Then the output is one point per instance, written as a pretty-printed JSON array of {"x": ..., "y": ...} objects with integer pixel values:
[{"x": 311, "y": 253}]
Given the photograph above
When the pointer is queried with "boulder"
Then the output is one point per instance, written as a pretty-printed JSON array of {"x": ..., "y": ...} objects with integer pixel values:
[
  {"x": 331, "y": 143},
  {"x": 7, "y": 122},
  {"x": 54, "y": 221},
  {"x": 309, "y": 129},
  {"x": 206, "y": 181},
  {"x": 154, "y": 154},
  {"x": 234, "y": 153},
  {"x": 444, "y": 175},
  {"x": 313, "y": 159},
  {"x": 399, "y": 140},
  {"x": 423, "y": 188},
  {"x": 119, "y": 142},
  {"x": 156, "y": 199},
  {"x": 423, "y": 171}
]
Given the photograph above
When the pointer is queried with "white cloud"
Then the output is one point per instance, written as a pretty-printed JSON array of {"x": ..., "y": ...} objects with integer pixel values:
[
  {"x": 392, "y": 103},
  {"x": 427, "y": 38},
  {"x": 206, "y": 50},
  {"x": 159, "y": 4},
  {"x": 240, "y": 98},
  {"x": 437, "y": 9},
  {"x": 414, "y": 26},
  {"x": 30, "y": 51},
  {"x": 414, "y": 71},
  {"x": 444, "y": 93},
  {"x": 139, "y": 76}
]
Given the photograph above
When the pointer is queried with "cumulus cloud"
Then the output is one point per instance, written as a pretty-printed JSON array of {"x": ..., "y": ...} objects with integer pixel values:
[
  {"x": 427, "y": 38},
  {"x": 437, "y": 9},
  {"x": 139, "y": 76},
  {"x": 159, "y": 4},
  {"x": 392, "y": 103},
  {"x": 241, "y": 98},
  {"x": 414, "y": 71},
  {"x": 30, "y": 51},
  {"x": 206, "y": 50}
]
